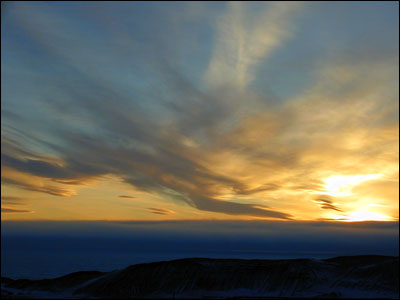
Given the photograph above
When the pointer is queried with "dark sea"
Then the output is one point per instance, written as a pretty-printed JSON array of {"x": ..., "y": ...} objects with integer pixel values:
[
  {"x": 17, "y": 264},
  {"x": 36, "y": 250},
  {"x": 49, "y": 257}
]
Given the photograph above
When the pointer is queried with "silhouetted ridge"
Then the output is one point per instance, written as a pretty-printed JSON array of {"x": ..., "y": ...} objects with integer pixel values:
[
  {"x": 350, "y": 277},
  {"x": 56, "y": 284}
]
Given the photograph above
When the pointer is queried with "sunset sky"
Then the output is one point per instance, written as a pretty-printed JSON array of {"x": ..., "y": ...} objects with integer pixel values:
[{"x": 200, "y": 111}]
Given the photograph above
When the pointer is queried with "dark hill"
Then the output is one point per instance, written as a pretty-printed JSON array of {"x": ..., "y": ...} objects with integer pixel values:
[{"x": 349, "y": 277}]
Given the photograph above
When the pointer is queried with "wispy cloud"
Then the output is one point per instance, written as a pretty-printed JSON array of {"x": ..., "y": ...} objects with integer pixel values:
[
  {"x": 7, "y": 210},
  {"x": 12, "y": 200},
  {"x": 326, "y": 202},
  {"x": 30, "y": 182},
  {"x": 244, "y": 39},
  {"x": 119, "y": 105},
  {"x": 161, "y": 211}
]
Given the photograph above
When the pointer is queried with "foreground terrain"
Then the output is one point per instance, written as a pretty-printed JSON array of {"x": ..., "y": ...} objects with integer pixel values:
[{"x": 340, "y": 277}]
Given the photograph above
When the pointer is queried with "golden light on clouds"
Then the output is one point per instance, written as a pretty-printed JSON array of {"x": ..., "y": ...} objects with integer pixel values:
[
  {"x": 341, "y": 185},
  {"x": 257, "y": 116},
  {"x": 360, "y": 216},
  {"x": 367, "y": 216}
]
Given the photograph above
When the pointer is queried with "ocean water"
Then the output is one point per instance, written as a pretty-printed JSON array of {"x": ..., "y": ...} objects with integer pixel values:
[
  {"x": 37, "y": 257},
  {"x": 36, "y": 250},
  {"x": 44, "y": 264}
]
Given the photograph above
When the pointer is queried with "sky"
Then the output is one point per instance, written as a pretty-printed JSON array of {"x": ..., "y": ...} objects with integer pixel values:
[{"x": 147, "y": 111}]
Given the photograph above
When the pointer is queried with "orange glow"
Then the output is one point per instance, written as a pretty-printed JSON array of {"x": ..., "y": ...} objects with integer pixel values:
[
  {"x": 341, "y": 185},
  {"x": 360, "y": 216},
  {"x": 367, "y": 216}
]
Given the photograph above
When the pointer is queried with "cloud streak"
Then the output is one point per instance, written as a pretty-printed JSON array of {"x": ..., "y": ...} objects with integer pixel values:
[
  {"x": 118, "y": 105},
  {"x": 243, "y": 39},
  {"x": 28, "y": 181},
  {"x": 325, "y": 202},
  {"x": 161, "y": 211},
  {"x": 12, "y": 200},
  {"x": 7, "y": 210}
]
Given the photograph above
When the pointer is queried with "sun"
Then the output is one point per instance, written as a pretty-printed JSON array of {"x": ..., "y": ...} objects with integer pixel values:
[
  {"x": 361, "y": 216},
  {"x": 358, "y": 216},
  {"x": 341, "y": 185}
]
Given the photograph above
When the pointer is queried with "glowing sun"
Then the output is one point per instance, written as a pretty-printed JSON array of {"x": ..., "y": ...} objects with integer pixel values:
[
  {"x": 366, "y": 216},
  {"x": 341, "y": 185}
]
